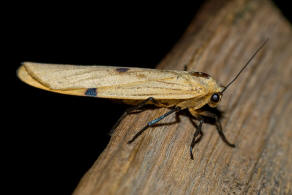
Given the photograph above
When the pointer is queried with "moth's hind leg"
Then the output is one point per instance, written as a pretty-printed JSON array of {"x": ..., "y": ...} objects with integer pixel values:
[
  {"x": 199, "y": 114},
  {"x": 132, "y": 109},
  {"x": 151, "y": 123}
]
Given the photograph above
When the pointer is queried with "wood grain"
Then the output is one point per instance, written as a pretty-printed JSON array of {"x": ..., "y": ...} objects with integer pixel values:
[{"x": 258, "y": 111}]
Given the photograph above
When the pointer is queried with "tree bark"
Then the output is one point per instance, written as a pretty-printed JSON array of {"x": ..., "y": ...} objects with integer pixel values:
[{"x": 257, "y": 114}]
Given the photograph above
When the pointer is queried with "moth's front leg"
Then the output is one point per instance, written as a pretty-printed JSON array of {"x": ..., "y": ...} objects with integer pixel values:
[
  {"x": 197, "y": 132},
  {"x": 200, "y": 114}
]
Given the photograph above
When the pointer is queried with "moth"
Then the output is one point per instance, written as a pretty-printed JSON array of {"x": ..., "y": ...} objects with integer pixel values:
[{"x": 176, "y": 90}]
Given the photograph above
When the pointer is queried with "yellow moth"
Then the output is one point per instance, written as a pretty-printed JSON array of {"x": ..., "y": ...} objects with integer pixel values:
[{"x": 177, "y": 90}]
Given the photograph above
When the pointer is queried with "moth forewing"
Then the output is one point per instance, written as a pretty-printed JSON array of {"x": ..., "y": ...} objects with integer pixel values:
[
  {"x": 26, "y": 77},
  {"x": 178, "y": 90},
  {"x": 116, "y": 82}
]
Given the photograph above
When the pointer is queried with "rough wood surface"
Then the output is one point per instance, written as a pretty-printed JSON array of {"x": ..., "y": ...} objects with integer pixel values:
[{"x": 258, "y": 111}]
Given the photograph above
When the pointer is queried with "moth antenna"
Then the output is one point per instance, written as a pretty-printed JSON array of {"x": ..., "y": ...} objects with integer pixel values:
[{"x": 247, "y": 63}]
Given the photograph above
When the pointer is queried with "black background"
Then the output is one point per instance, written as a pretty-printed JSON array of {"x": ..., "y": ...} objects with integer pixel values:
[{"x": 56, "y": 138}]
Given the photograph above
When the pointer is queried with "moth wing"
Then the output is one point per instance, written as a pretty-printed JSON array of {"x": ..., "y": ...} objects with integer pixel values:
[
  {"x": 111, "y": 82},
  {"x": 27, "y": 78}
]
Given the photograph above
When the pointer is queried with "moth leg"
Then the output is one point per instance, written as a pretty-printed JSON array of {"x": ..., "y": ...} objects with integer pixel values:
[
  {"x": 217, "y": 123},
  {"x": 218, "y": 127},
  {"x": 199, "y": 114},
  {"x": 151, "y": 123},
  {"x": 221, "y": 134},
  {"x": 129, "y": 110},
  {"x": 198, "y": 131},
  {"x": 196, "y": 134}
]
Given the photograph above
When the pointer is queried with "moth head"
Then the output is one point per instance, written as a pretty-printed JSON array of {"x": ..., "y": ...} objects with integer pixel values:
[{"x": 215, "y": 99}]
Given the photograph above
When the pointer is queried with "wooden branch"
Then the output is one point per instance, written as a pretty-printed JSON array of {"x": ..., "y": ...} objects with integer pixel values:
[{"x": 258, "y": 110}]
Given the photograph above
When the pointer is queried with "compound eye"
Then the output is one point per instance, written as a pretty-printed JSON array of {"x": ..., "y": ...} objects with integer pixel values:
[{"x": 215, "y": 97}]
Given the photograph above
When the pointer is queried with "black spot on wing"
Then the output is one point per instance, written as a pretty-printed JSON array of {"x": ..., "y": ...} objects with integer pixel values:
[
  {"x": 91, "y": 92},
  {"x": 122, "y": 69},
  {"x": 200, "y": 74}
]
